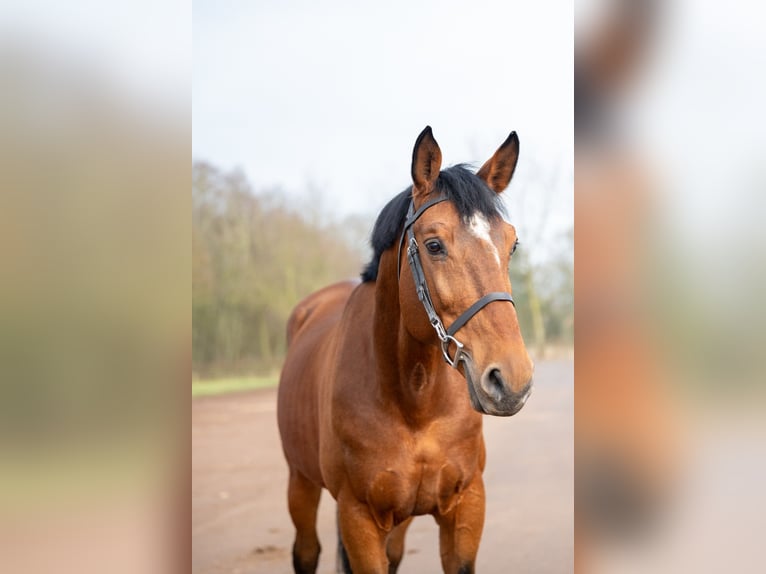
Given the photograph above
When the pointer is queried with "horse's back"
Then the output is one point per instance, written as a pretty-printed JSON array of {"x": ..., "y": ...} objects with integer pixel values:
[
  {"x": 310, "y": 336},
  {"x": 318, "y": 306}
]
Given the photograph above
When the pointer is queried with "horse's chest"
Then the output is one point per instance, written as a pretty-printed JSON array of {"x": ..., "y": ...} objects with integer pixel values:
[
  {"x": 415, "y": 486},
  {"x": 438, "y": 487}
]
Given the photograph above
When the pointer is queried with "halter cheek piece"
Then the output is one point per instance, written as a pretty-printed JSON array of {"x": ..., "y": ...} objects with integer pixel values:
[{"x": 446, "y": 336}]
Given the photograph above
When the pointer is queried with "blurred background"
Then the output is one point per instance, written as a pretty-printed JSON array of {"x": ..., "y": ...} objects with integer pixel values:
[
  {"x": 304, "y": 119},
  {"x": 669, "y": 407},
  {"x": 95, "y": 332}
]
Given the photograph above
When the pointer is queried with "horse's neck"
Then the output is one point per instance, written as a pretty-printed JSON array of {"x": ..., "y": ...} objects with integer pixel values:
[{"x": 407, "y": 370}]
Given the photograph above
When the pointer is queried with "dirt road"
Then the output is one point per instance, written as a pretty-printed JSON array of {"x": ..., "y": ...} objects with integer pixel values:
[{"x": 240, "y": 523}]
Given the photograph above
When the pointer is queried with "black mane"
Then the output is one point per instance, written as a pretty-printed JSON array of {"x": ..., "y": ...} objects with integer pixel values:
[{"x": 467, "y": 192}]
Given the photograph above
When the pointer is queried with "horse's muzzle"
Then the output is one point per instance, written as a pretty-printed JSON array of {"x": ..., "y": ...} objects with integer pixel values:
[{"x": 492, "y": 394}]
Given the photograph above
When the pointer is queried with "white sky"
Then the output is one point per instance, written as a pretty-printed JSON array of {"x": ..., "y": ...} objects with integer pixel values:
[{"x": 334, "y": 93}]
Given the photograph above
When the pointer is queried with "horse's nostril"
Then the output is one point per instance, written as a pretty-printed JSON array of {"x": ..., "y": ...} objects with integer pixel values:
[{"x": 496, "y": 379}]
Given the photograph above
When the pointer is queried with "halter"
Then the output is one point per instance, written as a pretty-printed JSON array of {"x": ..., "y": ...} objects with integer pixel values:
[{"x": 446, "y": 336}]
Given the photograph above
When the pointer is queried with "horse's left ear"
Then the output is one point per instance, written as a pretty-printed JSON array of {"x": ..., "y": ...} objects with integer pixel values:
[{"x": 498, "y": 170}]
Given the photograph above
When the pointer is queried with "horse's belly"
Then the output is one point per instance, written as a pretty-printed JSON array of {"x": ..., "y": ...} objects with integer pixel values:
[{"x": 311, "y": 330}]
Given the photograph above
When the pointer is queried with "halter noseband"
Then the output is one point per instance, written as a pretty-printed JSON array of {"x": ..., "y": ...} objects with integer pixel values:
[{"x": 446, "y": 336}]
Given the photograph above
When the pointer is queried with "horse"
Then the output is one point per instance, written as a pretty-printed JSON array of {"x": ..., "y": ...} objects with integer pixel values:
[{"x": 379, "y": 402}]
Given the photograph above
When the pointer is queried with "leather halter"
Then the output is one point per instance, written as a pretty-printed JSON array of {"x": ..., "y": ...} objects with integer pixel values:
[{"x": 446, "y": 336}]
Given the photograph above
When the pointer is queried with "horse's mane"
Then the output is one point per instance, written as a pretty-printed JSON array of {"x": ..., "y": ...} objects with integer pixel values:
[{"x": 465, "y": 190}]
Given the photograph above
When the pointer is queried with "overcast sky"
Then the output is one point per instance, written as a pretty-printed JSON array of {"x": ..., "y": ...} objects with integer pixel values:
[{"x": 334, "y": 93}]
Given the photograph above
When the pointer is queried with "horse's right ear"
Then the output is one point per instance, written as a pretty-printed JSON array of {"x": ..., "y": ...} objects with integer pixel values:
[
  {"x": 426, "y": 163},
  {"x": 498, "y": 170}
]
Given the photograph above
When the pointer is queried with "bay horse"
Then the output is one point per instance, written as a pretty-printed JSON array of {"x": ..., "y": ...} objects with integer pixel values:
[{"x": 372, "y": 401}]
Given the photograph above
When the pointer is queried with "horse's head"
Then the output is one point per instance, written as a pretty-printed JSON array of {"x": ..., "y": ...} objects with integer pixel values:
[{"x": 462, "y": 249}]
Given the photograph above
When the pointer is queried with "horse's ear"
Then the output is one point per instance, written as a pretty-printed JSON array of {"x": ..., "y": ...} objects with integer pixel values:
[
  {"x": 498, "y": 170},
  {"x": 426, "y": 163}
]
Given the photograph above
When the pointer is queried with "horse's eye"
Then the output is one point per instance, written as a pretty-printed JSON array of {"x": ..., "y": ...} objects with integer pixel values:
[
  {"x": 434, "y": 247},
  {"x": 515, "y": 245}
]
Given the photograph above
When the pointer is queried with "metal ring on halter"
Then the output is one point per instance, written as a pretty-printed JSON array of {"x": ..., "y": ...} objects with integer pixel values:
[
  {"x": 445, "y": 341},
  {"x": 458, "y": 351}
]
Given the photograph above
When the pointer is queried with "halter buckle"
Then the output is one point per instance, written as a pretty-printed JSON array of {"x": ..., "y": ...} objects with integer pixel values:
[{"x": 412, "y": 247}]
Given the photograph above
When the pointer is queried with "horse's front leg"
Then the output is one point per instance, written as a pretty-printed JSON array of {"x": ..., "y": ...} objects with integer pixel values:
[
  {"x": 362, "y": 536},
  {"x": 460, "y": 530}
]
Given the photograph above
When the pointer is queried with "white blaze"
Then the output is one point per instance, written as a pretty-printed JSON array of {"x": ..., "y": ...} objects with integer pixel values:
[{"x": 479, "y": 227}]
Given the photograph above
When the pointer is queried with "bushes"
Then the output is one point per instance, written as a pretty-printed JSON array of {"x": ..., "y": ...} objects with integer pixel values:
[{"x": 254, "y": 258}]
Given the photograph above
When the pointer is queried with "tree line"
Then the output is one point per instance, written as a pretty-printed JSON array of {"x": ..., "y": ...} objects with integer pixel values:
[{"x": 254, "y": 257}]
